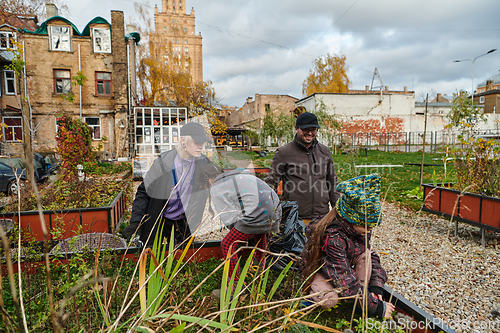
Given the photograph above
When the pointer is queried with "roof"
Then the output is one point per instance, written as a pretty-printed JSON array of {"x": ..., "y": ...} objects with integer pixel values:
[
  {"x": 42, "y": 29},
  {"x": 361, "y": 92},
  {"x": 19, "y": 21},
  {"x": 135, "y": 36},
  {"x": 95, "y": 20},
  {"x": 488, "y": 92},
  {"x": 495, "y": 78},
  {"x": 6, "y": 56},
  {"x": 438, "y": 104}
]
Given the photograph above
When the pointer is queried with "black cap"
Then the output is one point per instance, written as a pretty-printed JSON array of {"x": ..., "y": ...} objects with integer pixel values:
[
  {"x": 306, "y": 120},
  {"x": 196, "y": 131}
]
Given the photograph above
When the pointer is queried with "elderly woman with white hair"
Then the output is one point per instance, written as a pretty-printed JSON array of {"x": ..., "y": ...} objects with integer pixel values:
[{"x": 175, "y": 190}]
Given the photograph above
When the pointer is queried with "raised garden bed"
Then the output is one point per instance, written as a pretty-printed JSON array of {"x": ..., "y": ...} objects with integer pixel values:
[
  {"x": 203, "y": 251},
  {"x": 62, "y": 224},
  {"x": 478, "y": 210}
]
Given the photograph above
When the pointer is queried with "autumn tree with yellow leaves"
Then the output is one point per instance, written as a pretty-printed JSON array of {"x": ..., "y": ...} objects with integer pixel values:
[
  {"x": 328, "y": 75},
  {"x": 164, "y": 79}
]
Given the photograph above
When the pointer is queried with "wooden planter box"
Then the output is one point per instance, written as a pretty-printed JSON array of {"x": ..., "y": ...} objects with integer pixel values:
[
  {"x": 475, "y": 209},
  {"x": 70, "y": 222}
]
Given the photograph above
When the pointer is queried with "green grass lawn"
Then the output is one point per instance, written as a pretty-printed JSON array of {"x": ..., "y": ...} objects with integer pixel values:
[{"x": 397, "y": 182}]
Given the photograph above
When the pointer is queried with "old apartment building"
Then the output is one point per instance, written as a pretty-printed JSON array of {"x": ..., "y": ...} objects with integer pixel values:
[
  {"x": 55, "y": 53},
  {"x": 489, "y": 97},
  {"x": 177, "y": 30},
  {"x": 252, "y": 113},
  {"x": 9, "y": 83}
]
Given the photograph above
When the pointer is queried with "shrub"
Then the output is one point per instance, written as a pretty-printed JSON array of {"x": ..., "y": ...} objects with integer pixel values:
[
  {"x": 74, "y": 144},
  {"x": 476, "y": 159}
]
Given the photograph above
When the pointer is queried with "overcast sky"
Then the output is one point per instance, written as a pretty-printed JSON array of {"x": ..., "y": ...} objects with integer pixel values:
[{"x": 267, "y": 47}]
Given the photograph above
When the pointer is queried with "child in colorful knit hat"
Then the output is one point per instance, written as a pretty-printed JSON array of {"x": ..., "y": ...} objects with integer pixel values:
[{"x": 339, "y": 245}]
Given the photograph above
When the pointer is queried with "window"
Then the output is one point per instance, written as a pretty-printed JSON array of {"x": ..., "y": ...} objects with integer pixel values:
[
  {"x": 10, "y": 82},
  {"x": 60, "y": 38},
  {"x": 103, "y": 83},
  {"x": 62, "y": 81},
  {"x": 95, "y": 126},
  {"x": 14, "y": 130},
  {"x": 185, "y": 41},
  {"x": 186, "y": 30},
  {"x": 6, "y": 38},
  {"x": 186, "y": 49},
  {"x": 102, "y": 40},
  {"x": 481, "y": 99}
]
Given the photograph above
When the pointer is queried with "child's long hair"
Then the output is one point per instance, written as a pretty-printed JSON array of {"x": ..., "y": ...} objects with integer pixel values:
[{"x": 314, "y": 245}]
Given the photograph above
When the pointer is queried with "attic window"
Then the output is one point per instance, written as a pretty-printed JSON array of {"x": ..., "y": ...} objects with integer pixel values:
[
  {"x": 6, "y": 40},
  {"x": 102, "y": 40},
  {"x": 60, "y": 38}
]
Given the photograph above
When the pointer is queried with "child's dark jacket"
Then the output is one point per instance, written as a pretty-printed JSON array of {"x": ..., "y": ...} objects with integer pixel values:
[{"x": 343, "y": 244}]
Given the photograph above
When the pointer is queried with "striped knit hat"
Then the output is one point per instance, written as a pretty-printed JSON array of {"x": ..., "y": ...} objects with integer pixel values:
[{"x": 360, "y": 203}]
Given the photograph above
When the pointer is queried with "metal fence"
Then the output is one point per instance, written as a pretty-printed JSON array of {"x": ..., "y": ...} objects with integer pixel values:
[{"x": 406, "y": 141}]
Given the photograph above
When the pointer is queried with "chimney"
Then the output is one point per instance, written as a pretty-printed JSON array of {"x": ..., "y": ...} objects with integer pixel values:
[
  {"x": 438, "y": 98},
  {"x": 489, "y": 85},
  {"x": 51, "y": 10},
  {"x": 249, "y": 100},
  {"x": 367, "y": 88},
  {"x": 406, "y": 89},
  {"x": 386, "y": 88}
]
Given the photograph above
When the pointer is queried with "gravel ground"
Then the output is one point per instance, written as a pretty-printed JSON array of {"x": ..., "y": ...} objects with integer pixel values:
[{"x": 453, "y": 278}]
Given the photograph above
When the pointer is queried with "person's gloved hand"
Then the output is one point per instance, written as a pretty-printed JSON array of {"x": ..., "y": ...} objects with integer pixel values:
[{"x": 130, "y": 230}]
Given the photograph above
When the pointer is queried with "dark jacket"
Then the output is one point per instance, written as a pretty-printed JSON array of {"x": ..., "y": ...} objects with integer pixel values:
[
  {"x": 151, "y": 202},
  {"x": 308, "y": 175},
  {"x": 343, "y": 244}
]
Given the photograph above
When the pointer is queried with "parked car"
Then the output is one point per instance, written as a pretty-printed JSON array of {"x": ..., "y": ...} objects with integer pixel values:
[
  {"x": 8, "y": 183},
  {"x": 10, "y": 167}
]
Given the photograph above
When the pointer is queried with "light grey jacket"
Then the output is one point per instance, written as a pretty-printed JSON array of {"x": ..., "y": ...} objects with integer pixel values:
[{"x": 246, "y": 202}]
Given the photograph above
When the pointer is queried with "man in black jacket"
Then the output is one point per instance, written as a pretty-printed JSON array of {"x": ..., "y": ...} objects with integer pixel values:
[
  {"x": 175, "y": 190},
  {"x": 306, "y": 168}
]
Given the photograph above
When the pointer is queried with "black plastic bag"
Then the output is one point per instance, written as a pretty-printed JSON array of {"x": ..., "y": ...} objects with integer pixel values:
[{"x": 291, "y": 237}]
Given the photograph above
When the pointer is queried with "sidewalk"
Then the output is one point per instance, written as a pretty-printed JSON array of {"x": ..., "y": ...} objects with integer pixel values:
[{"x": 240, "y": 163}]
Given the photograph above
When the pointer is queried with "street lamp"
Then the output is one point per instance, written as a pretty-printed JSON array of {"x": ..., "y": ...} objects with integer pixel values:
[{"x": 472, "y": 92}]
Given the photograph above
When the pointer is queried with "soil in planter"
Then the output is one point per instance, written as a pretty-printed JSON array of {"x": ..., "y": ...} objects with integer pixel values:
[{"x": 95, "y": 192}]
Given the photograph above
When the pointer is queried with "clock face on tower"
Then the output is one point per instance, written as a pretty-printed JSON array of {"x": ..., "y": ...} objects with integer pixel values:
[{"x": 60, "y": 38}]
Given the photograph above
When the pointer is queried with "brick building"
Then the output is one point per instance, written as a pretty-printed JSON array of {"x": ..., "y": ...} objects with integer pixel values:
[
  {"x": 9, "y": 84},
  {"x": 494, "y": 83},
  {"x": 177, "y": 30},
  {"x": 489, "y": 97},
  {"x": 252, "y": 113},
  {"x": 55, "y": 53}
]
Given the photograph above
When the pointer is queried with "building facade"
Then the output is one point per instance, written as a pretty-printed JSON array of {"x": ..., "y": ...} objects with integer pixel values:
[
  {"x": 494, "y": 83},
  {"x": 56, "y": 54},
  {"x": 177, "y": 30},
  {"x": 384, "y": 111},
  {"x": 489, "y": 97},
  {"x": 251, "y": 114}
]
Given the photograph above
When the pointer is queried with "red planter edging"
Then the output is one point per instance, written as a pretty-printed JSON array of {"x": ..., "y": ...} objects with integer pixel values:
[
  {"x": 72, "y": 221},
  {"x": 475, "y": 209}
]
